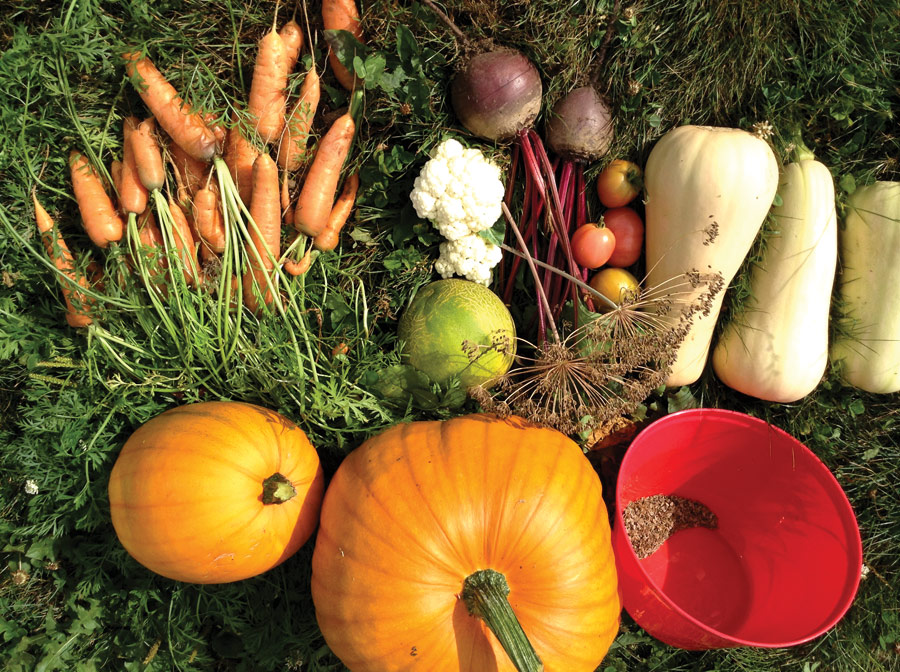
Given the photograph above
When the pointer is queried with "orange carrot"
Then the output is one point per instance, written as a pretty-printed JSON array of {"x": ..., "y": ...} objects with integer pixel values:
[
  {"x": 208, "y": 219},
  {"x": 292, "y": 150},
  {"x": 239, "y": 156},
  {"x": 299, "y": 267},
  {"x": 265, "y": 210},
  {"x": 184, "y": 241},
  {"x": 132, "y": 193},
  {"x": 189, "y": 171},
  {"x": 115, "y": 172},
  {"x": 147, "y": 156},
  {"x": 267, "y": 99},
  {"x": 62, "y": 258},
  {"x": 292, "y": 36},
  {"x": 317, "y": 195},
  {"x": 328, "y": 239},
  {"x": 101, "y": 221},
  {"x": 342, "y": 15},
  {"x": 186, "y": 127}
]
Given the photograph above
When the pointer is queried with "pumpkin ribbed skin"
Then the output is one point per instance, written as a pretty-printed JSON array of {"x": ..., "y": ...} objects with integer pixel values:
[
  {"x": 707, "y": 192},
  {"x": 185, "y": 493},
  {"x": 417, "y": 509}
]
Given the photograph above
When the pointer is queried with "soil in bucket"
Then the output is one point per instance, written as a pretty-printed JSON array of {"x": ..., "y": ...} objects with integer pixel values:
[{"x": 650, "y": 521}]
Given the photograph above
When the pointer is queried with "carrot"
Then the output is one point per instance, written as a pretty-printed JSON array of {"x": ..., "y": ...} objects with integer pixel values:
[
  {"x": 186, "y": 127},
  {"x": 317, "y": 195},
  {"x": 299, "y": 267},
  {"x": 265, "y": 210},
  {"x": 77, "y": 314},
  {"x": 267, "y": 100},
  {"x": 328, "y": 239},
  {"x": 132, "y": 193},
  {"x": 147, "y": 156},
  {"x": 101, "y": 221},
  {"x": 239, "y": 156},
  {"x": 190, "y": 173},
  {"x": 184, "y": 241},
  {"x": 342, "y": 15},
  {"x": 292, "y": 150},
  {"x": 292, "y": 36},
  {"x": 115, "y": 172},
  {"x": 208, "y": 219}
]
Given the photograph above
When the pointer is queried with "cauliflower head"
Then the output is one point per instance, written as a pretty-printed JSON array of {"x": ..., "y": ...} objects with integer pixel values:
[
  {"x": 459, "y": 190},
  {"x": 470, "y": 256}
]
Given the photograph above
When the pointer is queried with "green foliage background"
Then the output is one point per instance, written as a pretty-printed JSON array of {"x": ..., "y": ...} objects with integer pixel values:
[{"x": 71, "y": 598}]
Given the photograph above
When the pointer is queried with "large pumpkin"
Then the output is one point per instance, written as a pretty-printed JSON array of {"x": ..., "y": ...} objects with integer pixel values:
[
  {"x": 430, "y": 521},
  {"x": 215, "y": 492}
]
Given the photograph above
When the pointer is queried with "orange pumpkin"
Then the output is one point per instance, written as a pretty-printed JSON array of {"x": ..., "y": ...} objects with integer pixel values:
[
  {"x": 215, "y": 492},
  {"x": 431, "y": 522}
]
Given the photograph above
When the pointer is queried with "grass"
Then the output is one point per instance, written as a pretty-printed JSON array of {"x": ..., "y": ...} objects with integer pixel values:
[{"x": 70, "y": 598}]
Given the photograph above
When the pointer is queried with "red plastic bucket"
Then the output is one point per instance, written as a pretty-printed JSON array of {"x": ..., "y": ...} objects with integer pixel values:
[{"x": 782, "y": 566}]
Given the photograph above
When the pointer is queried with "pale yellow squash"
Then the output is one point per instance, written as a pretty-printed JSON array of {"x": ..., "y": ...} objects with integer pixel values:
[
  {"x": 866, "y": 350},
  {"x": 707, "y": 192},
  {"x": 776, "y": 348}
]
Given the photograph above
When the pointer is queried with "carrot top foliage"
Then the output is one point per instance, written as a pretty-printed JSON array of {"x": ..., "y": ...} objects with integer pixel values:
[{"x": 70, "y": 597}]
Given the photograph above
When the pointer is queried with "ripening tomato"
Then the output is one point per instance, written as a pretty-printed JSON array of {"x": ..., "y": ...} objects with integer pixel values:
[
  {"x": 592, "y": 245},
  {"x": 628, "y": 228},
  {"x": 616, "y": 284},
  {"x": 619, "y": 183}
]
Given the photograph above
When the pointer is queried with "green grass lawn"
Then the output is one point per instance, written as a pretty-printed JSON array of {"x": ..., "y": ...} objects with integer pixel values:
[{"x": 70, "y": 596}]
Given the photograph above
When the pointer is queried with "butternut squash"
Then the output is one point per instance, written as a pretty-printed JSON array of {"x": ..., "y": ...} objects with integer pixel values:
[
  {"x": 708, "y": 191},
  {"x": 866, "y": 349},
  {"x": 776, "y": 348}
]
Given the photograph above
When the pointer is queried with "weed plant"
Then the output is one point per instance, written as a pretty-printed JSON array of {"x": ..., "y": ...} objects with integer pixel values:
[{"x": 70, "y": 597}]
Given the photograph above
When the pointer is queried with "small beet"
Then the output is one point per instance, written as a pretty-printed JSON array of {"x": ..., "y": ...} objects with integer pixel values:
[{"x": 580, "y": 127}]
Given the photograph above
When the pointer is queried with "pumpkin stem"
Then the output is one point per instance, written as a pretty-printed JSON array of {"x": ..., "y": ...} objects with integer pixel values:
[
  {"x": 277, "y": 489},
  {"x": 484, "y": 593}
]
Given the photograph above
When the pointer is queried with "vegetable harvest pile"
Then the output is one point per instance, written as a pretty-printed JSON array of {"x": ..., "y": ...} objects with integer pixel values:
[{"x": 326, "y": 325}]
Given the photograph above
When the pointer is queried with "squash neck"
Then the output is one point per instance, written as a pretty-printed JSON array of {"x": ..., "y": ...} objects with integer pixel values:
[
  {"x": 484, "y": 594},
  {"x": 801, "y": 151},
  {"x": 277, "y": 489}
]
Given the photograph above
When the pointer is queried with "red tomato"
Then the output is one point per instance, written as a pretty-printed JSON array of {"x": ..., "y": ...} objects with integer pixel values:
[
  {"x": 619, "y": 183},
  {"x": 592, "y": 245},
  {"x": 628, "y": 229}
]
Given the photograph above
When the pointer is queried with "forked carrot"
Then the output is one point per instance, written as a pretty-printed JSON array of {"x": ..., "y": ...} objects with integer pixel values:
[
  {"x": 147, "y": 155},
  {"x": 239, "y": 156},
  {"x": 328, "y": 239},
  {"x": 292, "y": 149},
  {"x": 267, "y": 99},
  {"x": 77, "y": 314},
  {"x": 299, "y": 267},
  {"x": 186, "y": 127},
  {"x": 208, "y": 219},
  {"x": 342, "y": 15},
  {"x": 133, "y": 194},
  {"x": 292, "y": 37},
  {"x": 98, "y": 214},
  {"x": 265, "y": 210},
  {"x": 317, "y": 194},
  {"x": 184, "y": 241},
  {"x": 190, "y": 172}
]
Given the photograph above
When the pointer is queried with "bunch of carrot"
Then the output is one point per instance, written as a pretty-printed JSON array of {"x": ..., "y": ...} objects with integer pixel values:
[{"x": 231, "y": 184}]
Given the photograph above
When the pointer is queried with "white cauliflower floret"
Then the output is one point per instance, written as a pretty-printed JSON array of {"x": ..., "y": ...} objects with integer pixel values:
[
  {"x": 470, "y": 256},
  {"x": 459, "y": 190}
]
